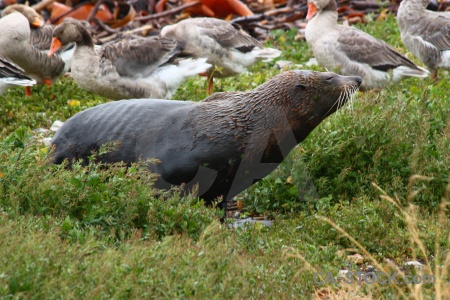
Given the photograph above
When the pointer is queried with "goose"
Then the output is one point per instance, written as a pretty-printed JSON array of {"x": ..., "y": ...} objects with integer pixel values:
[
  {"x": 226, "y": 45},
  {"x": 353, "y": 51},
  {"x": 12, "y": 75},
  {"x": 126, "y": 69},
  {"x": 425, "y": 33},
  {"x": 23, "y": 40},
  {"x": 41, "y": 33},
  {"x": 28, "y": 12}
]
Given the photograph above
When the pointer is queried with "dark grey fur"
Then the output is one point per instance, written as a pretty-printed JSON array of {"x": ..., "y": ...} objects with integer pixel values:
[{"x": 225, "y": 143}]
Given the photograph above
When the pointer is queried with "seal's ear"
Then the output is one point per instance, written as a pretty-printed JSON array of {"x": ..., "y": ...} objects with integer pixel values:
[{"x": 302, "y": 86}]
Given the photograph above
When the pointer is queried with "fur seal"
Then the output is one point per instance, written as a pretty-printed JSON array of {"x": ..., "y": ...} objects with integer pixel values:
[{"x": 224, "y": 144}]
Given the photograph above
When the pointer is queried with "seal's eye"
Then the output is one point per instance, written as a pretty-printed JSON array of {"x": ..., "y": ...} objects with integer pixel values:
[
  {"x": 302, "y": 86},
  {"x": 329, "y": 78}
]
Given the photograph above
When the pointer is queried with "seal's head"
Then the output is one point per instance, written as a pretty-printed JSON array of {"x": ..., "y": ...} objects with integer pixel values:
[
  {"x": 308, "y": 97},
  {"x": 322, "y": 93}
]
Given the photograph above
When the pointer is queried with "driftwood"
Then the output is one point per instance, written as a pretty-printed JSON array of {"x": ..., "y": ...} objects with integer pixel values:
[
  {"x": 144, "y": 30},
  {"x": 167, "y": 13},
  {"x": 42, "y": 5},
  {"x": 91, "y": 16}
]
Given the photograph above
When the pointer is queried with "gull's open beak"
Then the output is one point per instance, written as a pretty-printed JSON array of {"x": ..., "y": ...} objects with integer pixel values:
[
  {"x": 38, "y": 22},
  {"x": 312, "y": 11},
  {"x": 56, "y": 45}
]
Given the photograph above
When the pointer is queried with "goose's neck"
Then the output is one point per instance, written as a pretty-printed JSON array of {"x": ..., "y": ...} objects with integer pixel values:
[
  {"x": 86, "y": 41},
  {"x": 411, "y": 10},
  {"x": 84, "y": 48},
  {"x": 418, "y": 5},
  {"x": 84, "y": 57},
  {"x": 324, "y": 22},
  {"x": 328, "y": 18}
]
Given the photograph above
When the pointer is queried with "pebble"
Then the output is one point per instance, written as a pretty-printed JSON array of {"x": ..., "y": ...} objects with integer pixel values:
[
  {"x": 46, "y": 141},
  {"x": 312, "y": 62},
  {"x": 414, "y": 263},
  {"x": 44, "y": 135},
  {"x": 282, "y": 64},
  {"x": 356, "y": 258},
  {"x": 41, "y": 130},
  {"x": 56, "y": 125},
  {"x": 243, "y": 222}
]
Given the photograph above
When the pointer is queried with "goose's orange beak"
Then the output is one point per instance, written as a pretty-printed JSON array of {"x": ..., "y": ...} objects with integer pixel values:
[
  {"x": 56, "y": 45},
  {"x": 37, "y": 22},
  {"x": 312, "y": 11}
]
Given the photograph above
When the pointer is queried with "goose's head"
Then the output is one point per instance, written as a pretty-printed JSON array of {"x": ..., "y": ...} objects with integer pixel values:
[
  {"x": 69, "y": 32},
  {"x": 32, "y": 16},
  {"x": 316, "y": 6}
]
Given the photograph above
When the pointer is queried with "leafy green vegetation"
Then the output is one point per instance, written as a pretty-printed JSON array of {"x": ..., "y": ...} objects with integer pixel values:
[{"x": 372, "y": 179}]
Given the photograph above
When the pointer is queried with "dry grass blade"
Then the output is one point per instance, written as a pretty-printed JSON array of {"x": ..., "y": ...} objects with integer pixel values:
[{"x": 363, "y": 250}]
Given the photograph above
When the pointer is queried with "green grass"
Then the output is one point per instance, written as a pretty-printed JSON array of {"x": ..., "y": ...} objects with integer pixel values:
[{"x": 372, "y": 179}]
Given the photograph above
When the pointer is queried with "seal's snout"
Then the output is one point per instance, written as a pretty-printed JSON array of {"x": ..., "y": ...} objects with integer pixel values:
[{"x": 358, "y": 80}]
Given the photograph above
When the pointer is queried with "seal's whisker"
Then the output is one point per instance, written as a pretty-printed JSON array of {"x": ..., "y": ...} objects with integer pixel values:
[
  {"x": 341, "y": 100},
  {"x": 337, "y": 103},
  {"x": 348, "y": 92},
  {"x": 354, "y": 89},
  {"x": 344, "y": 98}
]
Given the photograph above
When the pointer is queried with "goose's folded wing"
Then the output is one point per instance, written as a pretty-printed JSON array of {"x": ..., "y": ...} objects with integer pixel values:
[
  {"x": 41, "y": 38},
  {"x": 434, "y": 31},
  {"x": 10, "y": 69},
  {"x": 228, "y": 35},
  {"x": 139, "y": 57},
  {"x": 361, "y": 47},
  {"x": 52, "y": 66}
]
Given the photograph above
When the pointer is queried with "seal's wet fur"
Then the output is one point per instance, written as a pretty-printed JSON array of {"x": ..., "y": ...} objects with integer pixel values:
[{"x": 224, "y": 144}]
